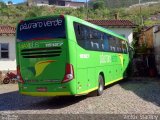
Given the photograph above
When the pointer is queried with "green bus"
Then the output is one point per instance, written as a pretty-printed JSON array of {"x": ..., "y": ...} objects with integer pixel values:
[{"x": 63, "y": 55}]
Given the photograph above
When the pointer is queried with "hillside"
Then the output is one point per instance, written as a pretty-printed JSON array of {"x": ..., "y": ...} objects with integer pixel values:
[
  {"x": 120, "y": 3},
  {"x": 12, "y": 14}
]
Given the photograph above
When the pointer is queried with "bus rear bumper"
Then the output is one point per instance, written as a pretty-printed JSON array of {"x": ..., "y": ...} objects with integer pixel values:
[
  {"x": 47, "y": 94},
  {"x": 45, "y": 90}
]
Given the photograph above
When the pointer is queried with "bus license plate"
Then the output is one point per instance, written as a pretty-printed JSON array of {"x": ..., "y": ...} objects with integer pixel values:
[{"x": 42, "y": 89}]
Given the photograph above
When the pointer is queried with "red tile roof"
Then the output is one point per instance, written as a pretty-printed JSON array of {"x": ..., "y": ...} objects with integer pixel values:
[
  {"x": 4, "y": 29},
  {"x": 113, "y": 23}
]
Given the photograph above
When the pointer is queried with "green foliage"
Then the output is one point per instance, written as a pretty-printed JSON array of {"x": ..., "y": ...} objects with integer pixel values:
[
  {"x": 99, "y": 5},
  {"x": 98, "y": 9},
  {"x": 34, "y": 12}
]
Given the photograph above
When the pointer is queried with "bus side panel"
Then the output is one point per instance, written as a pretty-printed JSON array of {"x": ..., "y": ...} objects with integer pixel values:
[
  {"x": 118, "y": 66},
  {"x": 82, "y": 80},
  {"x": 71, "y": 54},
  {"x": 107, "y": 75},
  {"x": 86, "y": 75},
  {"x": 72, "y": 60},
  {"x": 92, "y": 80}
]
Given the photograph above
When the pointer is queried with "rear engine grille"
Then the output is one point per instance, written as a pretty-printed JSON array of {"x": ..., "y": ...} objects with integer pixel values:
[{"x": 41, "y": 52}]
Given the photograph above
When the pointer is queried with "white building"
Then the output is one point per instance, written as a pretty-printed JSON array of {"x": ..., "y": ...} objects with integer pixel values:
[
  {"x": 156, "y": 42},
  {"x": 57, "y": 3},
  {"x": 7, "y": 48},
  {"x": 122, "y": 27}
]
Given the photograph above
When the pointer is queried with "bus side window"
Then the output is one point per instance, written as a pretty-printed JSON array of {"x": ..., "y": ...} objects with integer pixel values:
[
  {"x": 127, "y": 47},
  {"x": 94, "y": 40},
  {"x": 111, "y": 41},
  {"x": 79, "y": 31},
  {"x": 106, "y": 45},
  {"x": 118, "y": 45},
  {"x": 101, "y": 41},
  {"x": 86, "y": 43},
  {"x": 124, "y": 47}
]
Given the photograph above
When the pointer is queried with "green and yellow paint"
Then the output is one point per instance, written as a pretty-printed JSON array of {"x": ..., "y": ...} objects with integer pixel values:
[{"x": 40, "y": 67}]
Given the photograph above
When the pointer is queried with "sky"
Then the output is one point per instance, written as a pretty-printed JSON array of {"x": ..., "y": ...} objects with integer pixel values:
[
  {"x": 19, "y": 1},
  {"x": 14, "y": 1}
]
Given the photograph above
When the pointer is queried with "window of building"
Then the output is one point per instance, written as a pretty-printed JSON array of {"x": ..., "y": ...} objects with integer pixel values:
[{"x": 4, "y": 50}]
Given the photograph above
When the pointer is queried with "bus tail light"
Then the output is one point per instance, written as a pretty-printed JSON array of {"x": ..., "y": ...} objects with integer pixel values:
[
  {"x": 19, "y": 77},
  {"x": 69, "y": 74}
]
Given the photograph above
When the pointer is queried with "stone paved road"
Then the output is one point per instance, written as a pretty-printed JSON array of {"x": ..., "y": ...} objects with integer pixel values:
[{"x": 133, "y": 96}]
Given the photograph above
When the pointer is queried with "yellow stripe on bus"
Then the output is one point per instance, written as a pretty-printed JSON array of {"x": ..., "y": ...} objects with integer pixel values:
[
  {"x": 45, "y": 93},
  {"x": 88, "y": 91},
  {"x": 108, "y": 83}
]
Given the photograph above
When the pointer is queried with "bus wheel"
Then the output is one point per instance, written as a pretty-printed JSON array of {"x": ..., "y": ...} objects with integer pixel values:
[{"x": 100, "y": 86}]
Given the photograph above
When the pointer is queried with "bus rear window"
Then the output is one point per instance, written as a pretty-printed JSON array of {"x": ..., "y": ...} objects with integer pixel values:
[{"x": 41, "y": 29}]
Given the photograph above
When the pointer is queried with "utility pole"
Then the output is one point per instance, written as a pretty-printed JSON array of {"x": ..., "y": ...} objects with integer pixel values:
[
  {"x": 87, "y": 9},
  {"x": 141, "y": 17}
]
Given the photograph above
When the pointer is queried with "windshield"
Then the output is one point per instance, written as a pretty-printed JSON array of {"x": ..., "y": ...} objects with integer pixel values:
[{"x": 40, "y": 29}]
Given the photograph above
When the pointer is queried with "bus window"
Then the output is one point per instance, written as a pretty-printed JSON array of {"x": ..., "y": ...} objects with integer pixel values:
[
  {"x": 80, "y": 34},
  {"x": 111, "y": 41},
  {"x": 78, "y": 30},
  {"x": 95, "y": 40},
  {"x": 83, "y": 38},
  {"x": 101, "y": 42},
  {"x": 106, "y": 44},
  {"x": 118, "y": 45},
  {"x": 39, "y": 29},
  {"x": 124, "y": 47}
]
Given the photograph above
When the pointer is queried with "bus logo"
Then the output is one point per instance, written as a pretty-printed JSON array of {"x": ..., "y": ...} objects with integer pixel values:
[
  {"x": 105, "y": 59},
  {"x": 40, "y": 67}
]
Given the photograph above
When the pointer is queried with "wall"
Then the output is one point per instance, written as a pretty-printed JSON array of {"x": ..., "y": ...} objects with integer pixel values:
[
  {"x": 128, "y": 32},
  {"x": 38, "y": 2},
  {"x": 8, "y": 64},
  {"x": 147, "y": 38},
  {"x": 157, "y": 50}
]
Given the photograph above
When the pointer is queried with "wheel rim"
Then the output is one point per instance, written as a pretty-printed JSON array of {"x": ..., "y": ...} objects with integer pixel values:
[{"x": 100, "y": 87}]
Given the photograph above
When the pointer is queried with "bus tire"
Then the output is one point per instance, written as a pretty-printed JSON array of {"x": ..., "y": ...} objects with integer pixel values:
[{"x": 100, "y": 85}]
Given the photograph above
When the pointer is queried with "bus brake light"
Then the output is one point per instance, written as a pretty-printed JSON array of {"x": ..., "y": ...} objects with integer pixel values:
[
  {"x": 19, "y": 77},
  {"x": 69, "y": 74}
]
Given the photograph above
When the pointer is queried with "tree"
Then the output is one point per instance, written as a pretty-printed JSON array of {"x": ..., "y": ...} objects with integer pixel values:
[{"x": 98, "y": 5}]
